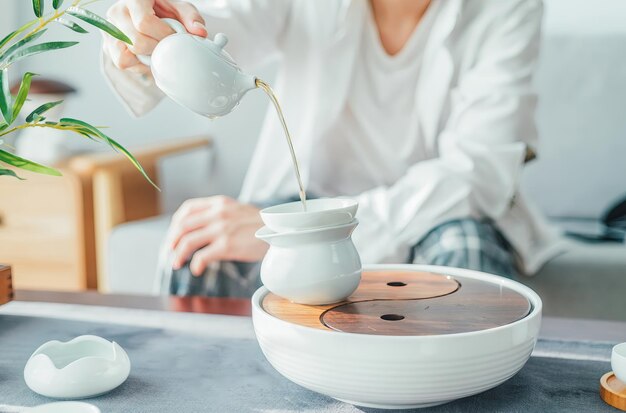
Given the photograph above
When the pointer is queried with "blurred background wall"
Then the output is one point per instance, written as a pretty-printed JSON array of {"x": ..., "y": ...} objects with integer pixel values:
[{"x": 581, "y": 81}]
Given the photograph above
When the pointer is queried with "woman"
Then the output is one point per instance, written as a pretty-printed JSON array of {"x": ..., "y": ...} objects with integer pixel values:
[{"x": 420, "y": 109}]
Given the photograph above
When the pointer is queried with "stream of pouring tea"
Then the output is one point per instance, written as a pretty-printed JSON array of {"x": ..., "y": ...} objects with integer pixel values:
[{"x": 267, "y": 89}]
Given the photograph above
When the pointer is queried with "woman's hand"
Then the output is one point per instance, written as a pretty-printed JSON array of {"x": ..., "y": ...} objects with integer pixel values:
[
  {"x": 215, "y": 229},
  {"x": 140, "y": 21}
]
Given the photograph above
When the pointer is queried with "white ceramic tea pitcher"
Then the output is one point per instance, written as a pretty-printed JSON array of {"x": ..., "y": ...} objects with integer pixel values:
[
  {"x": 197, "y": 72},
  {"x": 315, "y": 266}
]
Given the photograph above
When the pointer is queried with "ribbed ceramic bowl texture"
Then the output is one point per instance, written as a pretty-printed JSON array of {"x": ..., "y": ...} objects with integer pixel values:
[{"x": 397, "y": 372}]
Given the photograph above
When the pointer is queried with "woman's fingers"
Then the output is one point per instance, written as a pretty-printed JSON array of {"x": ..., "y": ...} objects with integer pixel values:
[
  {"x": 193, "y": 241},
  {"x": 194, "y": 210},
  {"x": 142, "y": 44},
  {"x": 190, "y": 17},
  {"x": 122, "y": 57},
  {"x": 141, "y": 21},
  {"x": 197, "y": 223},
  {"x": 205, "y": 256},
  {"x": 190, "y": 206},
  {"x": 145, "y": 20},
  {"x": 195, "y": 205},
  {"x": 190, "y": 223}
]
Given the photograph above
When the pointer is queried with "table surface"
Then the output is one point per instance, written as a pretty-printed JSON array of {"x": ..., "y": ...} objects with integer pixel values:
[
  {"x": 207, "y": 305},
  {"x": 171, "y": 349},
  {"x": 552, "y": 327}
]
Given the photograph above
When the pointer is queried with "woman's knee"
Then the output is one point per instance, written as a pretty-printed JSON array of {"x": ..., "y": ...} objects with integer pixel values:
[{"x": 467, "y": 243}]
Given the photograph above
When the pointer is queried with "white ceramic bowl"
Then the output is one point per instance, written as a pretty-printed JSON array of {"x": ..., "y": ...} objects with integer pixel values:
[
  {"x": 618, "y": 361},
  {"x": 322, "y": 212},
  {"x": 399, "y": 372},
  {"x": 85, "y": 366}
]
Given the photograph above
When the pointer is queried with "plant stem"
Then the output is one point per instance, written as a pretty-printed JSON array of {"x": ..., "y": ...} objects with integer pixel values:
[
  {"x": 44, "y": 21},
  {"x": 37, "y": 125}
]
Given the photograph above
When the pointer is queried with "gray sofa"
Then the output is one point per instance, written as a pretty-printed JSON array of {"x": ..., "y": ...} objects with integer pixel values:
[{"x": 580, "y": 171}]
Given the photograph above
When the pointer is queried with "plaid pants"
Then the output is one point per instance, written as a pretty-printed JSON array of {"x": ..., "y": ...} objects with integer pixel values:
[{"x": 465, "y": 243}]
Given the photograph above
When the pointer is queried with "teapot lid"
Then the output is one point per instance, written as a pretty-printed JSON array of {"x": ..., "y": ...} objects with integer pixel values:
[{"x": 217, "y": 46}]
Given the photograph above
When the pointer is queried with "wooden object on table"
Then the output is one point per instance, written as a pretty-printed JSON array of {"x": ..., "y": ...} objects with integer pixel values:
[
  {"x": 409, "y": 303},
  {"x": 613, "y": 391},
  {"x": 6, "y": 286},
  {"x": 190, "y": 304},
  {"x": 53, "y": 230},
  {"x": 45, "y": 230}
]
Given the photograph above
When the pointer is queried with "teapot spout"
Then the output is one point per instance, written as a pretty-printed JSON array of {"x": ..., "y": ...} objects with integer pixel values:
[{"x": 245, "y": 83}]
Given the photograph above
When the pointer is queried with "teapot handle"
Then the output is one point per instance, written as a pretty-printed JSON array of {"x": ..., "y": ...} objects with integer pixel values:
[{"x": 174, "y": 24}]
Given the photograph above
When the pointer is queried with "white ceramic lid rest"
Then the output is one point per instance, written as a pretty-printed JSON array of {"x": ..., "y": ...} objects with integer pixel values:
[{"x": 85, "y": 366}]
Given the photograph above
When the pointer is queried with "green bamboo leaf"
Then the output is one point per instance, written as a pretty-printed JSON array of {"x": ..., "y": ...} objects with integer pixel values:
[
  {"x": 38, "y": 7},
  {"x": 57, "y": 4},
  {"x": 10, "y": 172},
  {"x": 3, "y": 126},
  {"x": 23, "y": 93},
  {"x": 5, "y": 97},
  {"x": 21, "y": 43},
  {"x": 13, "y": 34},
  {"x": 95, "y": 131},
  {"x": 71, "y": 25},
  {"x": 25, "y": 164},
  {"x": 36, "y": 49},
  {"x": 99, "y": 22},
  {"x": 42, "y": 109}
]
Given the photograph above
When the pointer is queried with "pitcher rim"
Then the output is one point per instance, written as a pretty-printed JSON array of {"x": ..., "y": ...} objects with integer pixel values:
[{"x": 271, "y": 234}]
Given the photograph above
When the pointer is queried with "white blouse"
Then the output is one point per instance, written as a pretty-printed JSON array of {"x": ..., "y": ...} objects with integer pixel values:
[
  {"x": 417, "y": 142},
  {"x": 376, "y": 138}
]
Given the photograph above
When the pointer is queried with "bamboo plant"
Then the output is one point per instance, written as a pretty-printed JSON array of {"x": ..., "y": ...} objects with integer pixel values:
[{"x": 23, "y": 43}]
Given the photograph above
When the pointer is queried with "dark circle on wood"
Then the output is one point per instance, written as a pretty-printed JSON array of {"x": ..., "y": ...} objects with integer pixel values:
[
  {"x": 392, "y": 317},
  {"x": 396, "y": 284}
]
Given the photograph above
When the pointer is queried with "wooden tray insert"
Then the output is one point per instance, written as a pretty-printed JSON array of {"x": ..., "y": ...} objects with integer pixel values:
[
  {"x": 409, "y": 303},
  {"x": 375, "y": 285}
]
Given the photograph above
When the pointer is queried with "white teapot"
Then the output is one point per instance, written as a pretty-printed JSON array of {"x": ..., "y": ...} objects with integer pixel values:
[{"x": 197, "y": 72}]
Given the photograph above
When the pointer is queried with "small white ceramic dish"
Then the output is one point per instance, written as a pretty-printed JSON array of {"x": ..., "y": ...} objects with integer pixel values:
[
  {"x": 400, "y": 372},
  {"x": 85, "y": 366},
  {"x": 64, "y": 407},
  {"x": 322, "y": 212},
  {"x": 315, "y": 266},
  {"x": 618, "y": 361}
]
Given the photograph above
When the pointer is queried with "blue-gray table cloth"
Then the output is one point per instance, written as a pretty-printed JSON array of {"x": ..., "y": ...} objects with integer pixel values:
[{"x": 194, "y": 369}]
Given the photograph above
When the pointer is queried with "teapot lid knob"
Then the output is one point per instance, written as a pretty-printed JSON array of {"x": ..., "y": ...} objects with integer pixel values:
[{"x": 220, "y": 40}]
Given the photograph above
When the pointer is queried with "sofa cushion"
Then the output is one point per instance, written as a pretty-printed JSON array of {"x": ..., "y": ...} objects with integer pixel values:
[
  {"x": 587, "y": 281},
  {"x": 133, "y": 255}
]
